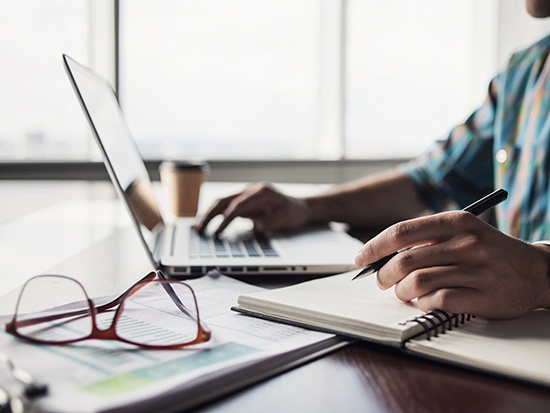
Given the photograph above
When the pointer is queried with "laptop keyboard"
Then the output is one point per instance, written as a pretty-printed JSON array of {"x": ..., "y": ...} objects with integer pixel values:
[{"x": 249, "y": 245}]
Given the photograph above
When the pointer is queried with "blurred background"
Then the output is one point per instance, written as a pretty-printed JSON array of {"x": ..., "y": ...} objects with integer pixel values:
[{"x": 254, "y": 80}]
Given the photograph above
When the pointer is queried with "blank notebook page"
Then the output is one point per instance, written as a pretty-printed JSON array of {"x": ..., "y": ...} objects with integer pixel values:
[
  {"x": 359, "y": 305},
  {"x": 520, "y": 347}
]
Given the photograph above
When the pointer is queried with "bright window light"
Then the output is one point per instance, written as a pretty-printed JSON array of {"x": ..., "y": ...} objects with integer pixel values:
[
  {"x": 411, "y": 73},
  {"x": 255, "y": 79},
  {"x": 39, "y": 115},
  {"x": 220, "y": 79}
]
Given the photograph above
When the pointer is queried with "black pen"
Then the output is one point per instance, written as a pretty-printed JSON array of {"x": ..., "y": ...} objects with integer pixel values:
[{"x": 476, "y": 208}]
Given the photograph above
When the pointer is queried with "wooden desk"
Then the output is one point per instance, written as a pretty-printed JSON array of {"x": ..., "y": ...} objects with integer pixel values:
[{"x": 360, "y": 378}]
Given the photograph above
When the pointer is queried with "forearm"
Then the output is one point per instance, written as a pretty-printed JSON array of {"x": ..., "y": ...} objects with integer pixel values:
[{"x": 376, "y": 200}]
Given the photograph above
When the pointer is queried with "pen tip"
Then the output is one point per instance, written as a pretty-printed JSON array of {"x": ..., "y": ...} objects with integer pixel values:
[{"x": 363, "y": 273}]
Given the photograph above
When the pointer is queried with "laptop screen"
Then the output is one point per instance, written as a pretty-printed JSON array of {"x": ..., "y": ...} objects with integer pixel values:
[{"x": 120, "y": 153}]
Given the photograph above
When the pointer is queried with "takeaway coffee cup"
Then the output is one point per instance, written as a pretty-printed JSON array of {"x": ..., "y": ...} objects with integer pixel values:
[{"x": 182, "y": 182}]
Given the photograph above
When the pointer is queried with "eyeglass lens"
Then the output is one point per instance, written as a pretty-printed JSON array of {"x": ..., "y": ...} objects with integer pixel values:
[
  {"x": 159, "y": 313},
  {"x": 53, "y": 309}
]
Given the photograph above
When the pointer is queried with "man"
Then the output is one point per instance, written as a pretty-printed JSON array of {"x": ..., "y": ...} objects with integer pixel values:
[{"x": 464, "y": 264}]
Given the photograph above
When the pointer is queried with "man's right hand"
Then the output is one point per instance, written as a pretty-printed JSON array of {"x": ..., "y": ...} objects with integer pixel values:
[{"x": 269, "y": 209}]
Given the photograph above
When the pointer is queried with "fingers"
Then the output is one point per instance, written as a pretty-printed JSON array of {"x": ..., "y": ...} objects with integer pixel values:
[
  {"x": 249, "y": 204},
  {"x": 466, "y": 300},
  {"x": 426, "y": 281},
  {"x": 462, "y": 300},
  {"x": 407, "y": 263},
  {"x": 216, "y": 209},
  {"x": 257, "y": 202},
  {"x": 463, "y": 265},
  {"x": 452, "y": 240},
  {"x": 406, "y": 234},
  {"x": 415, "y": 232},
  {"x": 451, "y": 289},
  {"x": 445, "y": 266}
]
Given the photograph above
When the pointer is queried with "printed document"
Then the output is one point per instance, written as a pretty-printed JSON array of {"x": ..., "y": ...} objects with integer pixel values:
[{"x": 96, "y": 376}]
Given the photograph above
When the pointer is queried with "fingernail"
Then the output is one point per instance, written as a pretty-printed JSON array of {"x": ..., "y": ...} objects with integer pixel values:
[{"x": 359, "y": 260}]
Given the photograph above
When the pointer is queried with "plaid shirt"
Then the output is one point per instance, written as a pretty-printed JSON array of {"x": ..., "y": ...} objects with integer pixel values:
[{"x": 506, "y": 144}]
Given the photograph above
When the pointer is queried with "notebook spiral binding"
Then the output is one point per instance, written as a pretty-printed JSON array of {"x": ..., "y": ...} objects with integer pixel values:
[{"x": 430, "y": 325}]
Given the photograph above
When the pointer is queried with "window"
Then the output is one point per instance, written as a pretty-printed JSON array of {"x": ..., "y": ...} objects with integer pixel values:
[
  {"x": 412, "y": 72},
  {"x": 417, "y": 68},
  {"x": 255, "y": 79},
  {"x": 39, "y": 117},
  {"x": 220, "y": 79}
]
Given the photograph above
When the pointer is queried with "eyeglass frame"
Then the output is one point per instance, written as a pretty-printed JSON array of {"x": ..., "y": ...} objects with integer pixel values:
[{"x": 203, "y": 333}]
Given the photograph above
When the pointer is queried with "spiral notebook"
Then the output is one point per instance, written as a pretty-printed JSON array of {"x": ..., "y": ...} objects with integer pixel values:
[{"x": 518, "y": 348}]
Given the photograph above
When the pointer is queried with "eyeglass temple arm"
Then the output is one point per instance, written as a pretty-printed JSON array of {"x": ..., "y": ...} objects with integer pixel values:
[
  {"x": 104, "y": 307},
  {"x": 170, "y": 291},
  {"x": 172, "y": 294}
]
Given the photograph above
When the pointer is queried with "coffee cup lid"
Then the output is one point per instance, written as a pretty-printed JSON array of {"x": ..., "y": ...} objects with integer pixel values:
[{"x": 179, "y": 165}]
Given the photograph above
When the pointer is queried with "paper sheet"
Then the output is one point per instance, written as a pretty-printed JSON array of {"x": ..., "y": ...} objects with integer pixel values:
[
  {"x": 518, "y": 347},
  {"x": 101, "y": 375}
]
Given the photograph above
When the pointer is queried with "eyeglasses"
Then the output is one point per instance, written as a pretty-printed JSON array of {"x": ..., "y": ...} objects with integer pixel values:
[{"x": 155, "y": 313}]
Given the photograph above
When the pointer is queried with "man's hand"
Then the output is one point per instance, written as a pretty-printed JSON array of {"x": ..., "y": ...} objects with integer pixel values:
[
  {"x": 269, "y": 209},
  {"x": 463, "y": 266}
]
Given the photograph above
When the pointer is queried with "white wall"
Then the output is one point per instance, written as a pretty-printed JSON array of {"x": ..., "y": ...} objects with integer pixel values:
[{"x": 516, "y": 29}]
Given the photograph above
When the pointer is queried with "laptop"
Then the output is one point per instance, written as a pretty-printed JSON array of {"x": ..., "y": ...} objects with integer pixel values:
[{"x": 172, "y": 244}]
